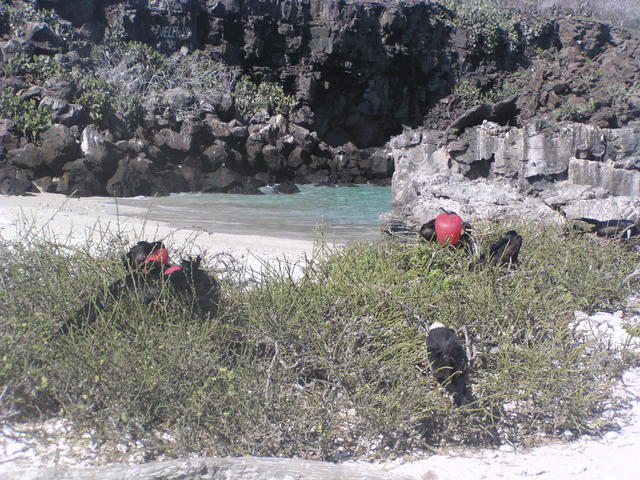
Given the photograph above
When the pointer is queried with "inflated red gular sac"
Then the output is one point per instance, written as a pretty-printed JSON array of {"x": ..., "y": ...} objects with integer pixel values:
[{"x": 448, "y": 228}]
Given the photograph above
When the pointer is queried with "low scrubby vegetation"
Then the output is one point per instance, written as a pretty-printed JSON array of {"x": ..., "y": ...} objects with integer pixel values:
[
  {"x": 29, "y": 120},
  {"x": 499, "y": 15},
  {"x": 137, "y": 70},
  {"x": 18, "y": 14},
  {"x": 128, "y": 79},
  {"x": 328, "y": 363}
]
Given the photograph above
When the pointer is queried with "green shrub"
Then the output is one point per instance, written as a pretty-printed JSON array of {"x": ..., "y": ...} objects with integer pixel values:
[
  {"x": 98, "y": 97},
  {"x": 470, "y": 93},
  {"x": 19, "y": 14},
  {"x": 251, "y": 98},
  {"x": 331, "y": 365},
  {"x": 129, "y": 108},
  {"x": 38, "y": 67},
  {"x": 491, "y": 28},
  {"x": 29, "y": 119},
  {"x": 575, "y": 112}
]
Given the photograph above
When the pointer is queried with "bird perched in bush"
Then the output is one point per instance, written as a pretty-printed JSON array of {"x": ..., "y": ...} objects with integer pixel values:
[
  {"x": 447, "y": 229},
  {"x": 448, "y": 362},
  {"x": 505, "y": 251},
  {"x": 148, "y": 267},
  {"x": 616, "y": 228}
]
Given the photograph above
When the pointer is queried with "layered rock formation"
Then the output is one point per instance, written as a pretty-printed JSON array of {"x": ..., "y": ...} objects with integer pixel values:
[{"x": 541, "y": 170}]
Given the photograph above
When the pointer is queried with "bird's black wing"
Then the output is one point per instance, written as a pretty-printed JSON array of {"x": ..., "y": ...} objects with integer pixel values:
[
  {"x": 591, "y": 221},
  {"x": 448, "y": 362},
  {"x": 496, "y": 250},
  {"x": 511, "y": 250},
  {"x": 199, "y": 288},
  {"x": 428, "y": 230}
]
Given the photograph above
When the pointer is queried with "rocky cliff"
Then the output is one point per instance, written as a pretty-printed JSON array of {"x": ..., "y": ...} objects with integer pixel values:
[
  {"x": 541, "y": 170},
  {"x": 356, "y": 73}
]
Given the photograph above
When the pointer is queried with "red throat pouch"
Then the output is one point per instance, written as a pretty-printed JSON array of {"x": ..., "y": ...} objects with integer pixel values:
[
  {"x": 448, "y": 228},
  {"x": 160, "y": 255}
]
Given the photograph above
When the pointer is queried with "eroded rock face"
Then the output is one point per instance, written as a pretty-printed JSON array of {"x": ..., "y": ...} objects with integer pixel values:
[
  {"x": 361, "y": 70},
  {"x": 540, "y": 171}
]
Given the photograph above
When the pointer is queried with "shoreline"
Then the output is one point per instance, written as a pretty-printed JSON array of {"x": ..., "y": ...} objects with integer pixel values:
[{"x": 77, "y": 220}]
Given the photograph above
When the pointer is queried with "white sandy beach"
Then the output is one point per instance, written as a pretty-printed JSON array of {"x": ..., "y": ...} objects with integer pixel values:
[{"x": 73, "y": 220}]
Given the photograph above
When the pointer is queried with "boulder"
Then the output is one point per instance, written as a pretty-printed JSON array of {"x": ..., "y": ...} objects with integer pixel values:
[
  {"x": 249, "y": 187},
  {"x": 223, "y": 104},
  {"x": 60, "y": 89},
  {"x": 174, "y": 145},
  {"x": 255, "y": 144},
  {"x": 139, "y": 177},
  {"x": 29, "y": 157},
  {"x": 80, "y": 179},
  {"x": 216, "y": 155},
  {"x": 297, "y": 158},
  {"x": 46, "y": 184},
  {"x": 238, "y": 133},
  {"x": 100, "y": 151},
  {"x": 178, "y": 98},
  {"x": 63, "y": 112},
  {"x": 192, "y": 170},
  {"x": 381, "y": 165},
  {"x": 273, "y": 159},
  {"x": 58, "y": 147},
  {"x": 218, "y": 129},
  {"x": 14, "y": 181},
  {"x": 286, "y": 188},
  {"x": 43, "y": 37},
  {"x": 31, "y": 92},
  {"x": 500, "y": 112},
  {"x": 8, "y": 140},
  {"x": 222, "y": 180},
  {"x": 12, "y": 47}
]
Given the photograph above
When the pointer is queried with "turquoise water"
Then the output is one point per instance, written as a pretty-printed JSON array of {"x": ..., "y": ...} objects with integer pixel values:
[{"x": 344, "y": 213}]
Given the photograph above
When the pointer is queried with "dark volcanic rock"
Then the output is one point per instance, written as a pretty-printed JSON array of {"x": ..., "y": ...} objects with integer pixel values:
[
  {"x": 43, "y": 37},
  {"x": 46, "y": 184},
  {"x": 173, "y": 141},
  {"x": 100, "y": 151},
  {"x": 222, "y": 180},
  {"x": 501, "y": 113},
  {"x": 8, "y": 140},
  {"x": 286, "y": 187},
  {"x": 217, "y": 155},
  {"x": 63, "y": 112},
  {"x": 139, "y": 177},
  {"x": 58, "y": 147},
  {"x": 29, "y": 157},
  {"x": 167, "y": 26},
  {"x": 60, "y": 89},
  {"x": 12, "y": 47},
  {"x": 360, "y": 71},
  {"x": 273, "y": 158},
  {"x": 14, "y": 181},
  {"x": 80, "y": 179}
]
